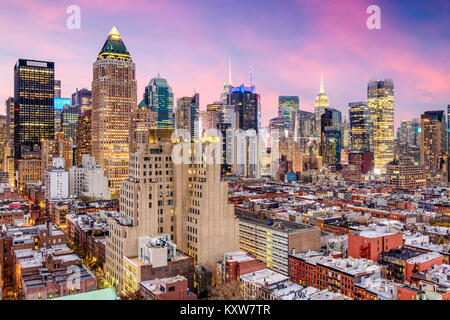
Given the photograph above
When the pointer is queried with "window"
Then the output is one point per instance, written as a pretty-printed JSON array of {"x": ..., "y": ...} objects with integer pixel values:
[{"x": 171, "y": 289}]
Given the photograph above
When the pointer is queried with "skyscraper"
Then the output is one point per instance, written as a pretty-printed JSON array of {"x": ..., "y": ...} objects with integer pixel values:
[
  {"x": 287, "y": 109},
  {"x": 57, "y": 88},
  {"x": 227, "y": 123},
  {"x": 142, "y": 127},
  {"x": 331, "y": 146},
  {"x": 359, "y": 126},
  {"x": 431, "y": 147},
  {"x": 33, "y": 104},
  {"x": 187, "y": 115},
  {"x": 59, "y": 104},
  {"x": 320, "y": 105},
  {"x": 187, "y": 201},
  {"x": 331, "y": 136},
  {"x": 69, "y": 121},
  {"x": 248, "y": 107},
  {"x": 10, "y": 118},
  {"x": 114, "y": 96},
  {"x": 158, "y": 97},
  {"x": 408, "y": 141},
  {"x": 83, "y": 98},
  {"x": 84, "y": 137},
  {"x": 305, "y": 127},
  {"x": 345, "y": 134},
  {"x": 448, "y": 142},
  {"x": 380, "y": 97}
]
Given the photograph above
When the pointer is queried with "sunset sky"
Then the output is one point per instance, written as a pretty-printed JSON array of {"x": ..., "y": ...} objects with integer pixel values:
[{"x": 286, "y": 44}]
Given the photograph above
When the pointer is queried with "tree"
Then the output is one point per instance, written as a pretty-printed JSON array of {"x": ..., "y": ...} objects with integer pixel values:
[
  {"x": 227, "y": 291},
  {"x": 137, "y": 295}
]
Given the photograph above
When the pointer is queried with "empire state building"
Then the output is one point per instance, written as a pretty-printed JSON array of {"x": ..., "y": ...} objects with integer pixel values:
[{"x": 320, "y": 105}]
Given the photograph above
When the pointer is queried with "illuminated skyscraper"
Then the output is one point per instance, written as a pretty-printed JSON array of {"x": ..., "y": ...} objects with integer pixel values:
[
  {"x": 331, "y": 136},
  {"x": 320, "y": 105},
  {"x": 345, "y": 134},
  {"x": 33, "y": 105},
  {"x": 448, "y": 142},
  {"x": 227, "y": 123},
  {"x": 359, "y": 126},
  {"x": 187, "y": 115},
  {"x": 380, "y": 98},
  {"x": 305, "y": 127},
  {"x": 331, "y": 146},
  {"x": 113, "y": 101},
  {"x": 158, "y": 97},
  {"x": 248, "y": 105},
  {"x": 10, "y": 118},
  {"x": 432, "y": 147},
  {"x": 59, "y": 104},
  {"x": 84, "y": 137},
  {"x": 83, "y": 98},
  {"x": 287, "y": 109},
  {"x": 69, "y": 121},
  {"x": 248, "y": 108},
  {"x": 57, "y": 88},
  {"x": 408, "y": 141}
]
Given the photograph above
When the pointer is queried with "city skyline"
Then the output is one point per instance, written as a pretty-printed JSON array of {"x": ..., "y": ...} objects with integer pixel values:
[{"x": 299, "y": 37}]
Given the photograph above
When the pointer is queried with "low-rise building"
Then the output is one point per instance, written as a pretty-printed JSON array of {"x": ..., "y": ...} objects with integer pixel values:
[
  {"x": 325, "y": 272},
  {"x": 56, "y": 180},
  {"x": 157, "y": 258},
  {"x": 435, "y": 282},
  {"x": 49, "y": 272},
  {"x": 402, "y": 263},
  {"x": 173, "y": 288},
  {"x": 272, "y": 240},
  {"x": 89, "y": 180},
  {"x": 369, "y": 244},
  {"x": 239, "y": 263},
  {"x": 255, "y": 285}
]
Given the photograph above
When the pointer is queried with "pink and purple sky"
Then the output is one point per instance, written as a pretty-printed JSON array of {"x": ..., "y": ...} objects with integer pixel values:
[{"x": 286, "y": 44}]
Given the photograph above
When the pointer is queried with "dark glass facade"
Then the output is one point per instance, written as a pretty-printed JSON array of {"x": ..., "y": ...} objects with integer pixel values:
[
  {"x": 33, "y": 105},
  {"x": 359, "y": 115}
]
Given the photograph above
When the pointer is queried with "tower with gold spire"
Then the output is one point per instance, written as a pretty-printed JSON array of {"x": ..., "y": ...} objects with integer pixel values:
[
  {"x": 114, "y": 96},
  {"x": 320, "y": 105}
]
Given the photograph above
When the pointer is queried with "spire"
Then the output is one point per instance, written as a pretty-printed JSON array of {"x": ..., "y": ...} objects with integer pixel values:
[
  {"x": 229, "y": 70},
  {"x": 114, "y": 34},
  {"x": 114, "y": 46},
  {"x": 321, "y": 90}
]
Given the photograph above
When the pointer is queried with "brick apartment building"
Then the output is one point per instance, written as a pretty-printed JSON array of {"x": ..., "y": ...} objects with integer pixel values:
[
  {"x": 14, "y": 238},
  {"x": 336, "y": 225},
  {"x": 174, "y": 288},
  {"x": 435, "y": 282},
  {"x": 50, "y": 272},
  {"x": 370, "y": 244},
  {"x": 403, "y": 263},
  {"x": 89, "y": 231},
  {"x": 325, "y": 272},
  {"x": 236, "y": 264}
]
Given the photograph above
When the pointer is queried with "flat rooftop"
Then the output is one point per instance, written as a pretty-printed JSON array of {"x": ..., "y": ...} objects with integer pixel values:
[
  {"x": 264, "y": 276},
  {"x": 276, "y": 225}
]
